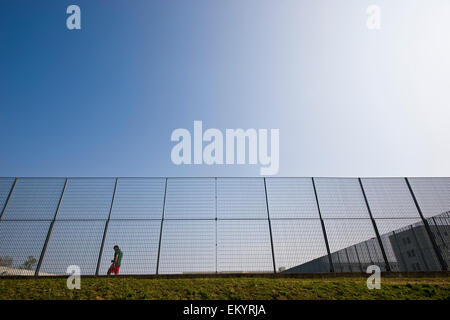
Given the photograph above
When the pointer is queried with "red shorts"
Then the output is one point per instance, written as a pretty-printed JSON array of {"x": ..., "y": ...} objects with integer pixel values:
[{"x": 114, "y": 269}]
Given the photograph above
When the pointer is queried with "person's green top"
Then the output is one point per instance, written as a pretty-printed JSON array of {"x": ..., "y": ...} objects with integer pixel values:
[{"x": 119, "y": 259}]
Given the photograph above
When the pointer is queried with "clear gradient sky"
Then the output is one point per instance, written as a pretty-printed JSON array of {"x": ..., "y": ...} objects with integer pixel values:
[{"x": 104, "y": 100}]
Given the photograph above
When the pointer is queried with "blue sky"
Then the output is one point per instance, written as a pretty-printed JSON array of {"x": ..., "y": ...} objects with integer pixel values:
[{"x": 104, "y": 100}]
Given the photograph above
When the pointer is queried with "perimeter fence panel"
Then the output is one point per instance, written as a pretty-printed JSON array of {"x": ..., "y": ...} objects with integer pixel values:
[
  {"x": 73, "y": 243},
  {"x": 244, "y": 246},
  {"x": 241, "y": 198},
  {"x": 432, "y": 194},
  {"x": 188, "y": 246},
  {"x": 190, "y": 198},
  {"x": 134, "y": 225},
  {"x": 403, "y": 234},
  {"x": 34, "y": 199},
  {"x": 297, "y": 244},
  {"x": 389, "y": 198},
  {"x": 138, "y": 240},
  {"x": 298, "y": 239},
  {"x": 433, "y": 200},
  {"x": 291, "y": 198},
  {"x": 138, "y": 198},
  {"x": 87, "y": 198},
  {"x": 21, "y": 243},
  {"x": 243, "y": 234},
  {"x": 349, "y": 241},
  {"x": 341, "y": 198}
]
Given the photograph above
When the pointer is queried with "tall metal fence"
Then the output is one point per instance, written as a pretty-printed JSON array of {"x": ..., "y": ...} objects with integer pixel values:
[{"x": 223, "y": 225}]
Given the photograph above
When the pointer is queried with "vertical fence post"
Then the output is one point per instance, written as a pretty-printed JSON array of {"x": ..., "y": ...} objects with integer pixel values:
[
  {"x": 323, "y": 227},
  {"x": 348, "y": 259},
  {"x": 340, "y": 263},
  {"x": 436, "y": 225},
  {"x": 9, "y": 196},
  {"x": 380, "y": 243},
  {"x": 377, "y": 254},
  {"x": 50, "y": 229},
  {"x": 359, "y": 260},
  {"x": 270, "y": 228},
  {"x": 106, "y": 230},
  {"x": 215, "y": 179},
  {"x": 368, "y": 251},
  {"x": 442, "y": 262},
  {"x": 161, "y": 229}
]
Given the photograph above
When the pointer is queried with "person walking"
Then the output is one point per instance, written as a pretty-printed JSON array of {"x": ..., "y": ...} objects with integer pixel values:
[{"x": 116, "y": 262}]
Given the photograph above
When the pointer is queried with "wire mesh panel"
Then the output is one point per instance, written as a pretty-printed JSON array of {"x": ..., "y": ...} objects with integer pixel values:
[
  {"x": 296, "y": 243},
  {"x": 291, "y": 198},
  {"x": 367, "y": 253},
  {"x": 407, "y": 245},
  {"x": 87, "y": 198},
  {"x": 21, "y": 244},
  {"x": 241, "y": 198},
  {"x": 188, "y": 246},
  {"x": 344, "y": 235},
  {"x": 73, "y": 243},
  {"x": 373, "y": 254},
  {"x": 138, "y": 198},
  {"x": 190, "y": 198},
  {"x": 138, "y": 240},
  {"x": 34, "y": 199},
  {"x": 440, "y": 228},
  {"x": 432, "y": 194},
  {"x": 5, "y": 188},
  {"x": 352, "y": 260},
  {"x": 389, "y": 198},
  {"x": 341, "y": 198},
  {"x": 244, "y": 246},
  {"x": 222, "y": 225}
]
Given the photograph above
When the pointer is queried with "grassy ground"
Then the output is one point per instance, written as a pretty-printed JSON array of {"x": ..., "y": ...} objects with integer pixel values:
[{"x": 226, "y": 288}]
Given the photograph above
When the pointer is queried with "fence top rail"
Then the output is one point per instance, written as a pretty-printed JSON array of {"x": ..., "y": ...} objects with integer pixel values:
[{"x": 221, "y": 177}]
